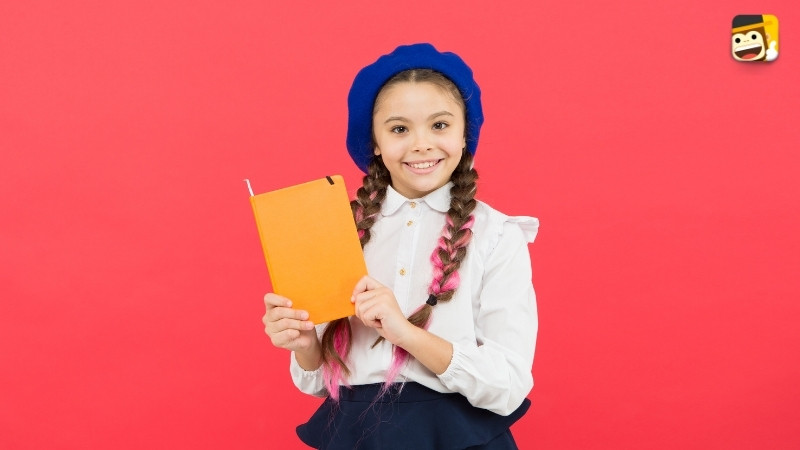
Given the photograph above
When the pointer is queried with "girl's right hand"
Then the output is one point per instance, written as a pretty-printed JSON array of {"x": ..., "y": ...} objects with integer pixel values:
[{"x": 287, "y": 327}]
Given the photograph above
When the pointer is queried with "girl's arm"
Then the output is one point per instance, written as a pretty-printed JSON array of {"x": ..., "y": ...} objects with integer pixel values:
[
  {"x": 377, "y": 307},
  {"x": 494, "y": 371},
  {"x": 290, "y": 329},
  {"x": 430, "y": 350}
]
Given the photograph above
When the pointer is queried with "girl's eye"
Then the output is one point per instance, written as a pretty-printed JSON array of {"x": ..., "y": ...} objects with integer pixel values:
[
  {"x": 439, "y": 126},
  {"x": 399, "y": 129}
]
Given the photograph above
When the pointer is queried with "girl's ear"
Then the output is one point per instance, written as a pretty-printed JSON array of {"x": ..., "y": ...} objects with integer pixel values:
[{"x": 376, "y": 151}]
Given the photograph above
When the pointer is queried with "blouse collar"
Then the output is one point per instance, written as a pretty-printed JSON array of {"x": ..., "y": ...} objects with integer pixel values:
[{"x": 438, "y": 200}]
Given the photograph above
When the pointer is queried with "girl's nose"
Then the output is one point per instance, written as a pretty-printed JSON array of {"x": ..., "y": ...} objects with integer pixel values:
[{"x": 422, "y": 142}]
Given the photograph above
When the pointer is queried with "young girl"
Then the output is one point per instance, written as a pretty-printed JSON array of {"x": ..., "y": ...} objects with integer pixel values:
[{"x": 439, "y": 352}]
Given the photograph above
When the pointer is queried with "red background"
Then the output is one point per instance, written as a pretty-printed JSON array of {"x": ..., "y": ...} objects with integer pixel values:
[{"x": 664, "y": 174}]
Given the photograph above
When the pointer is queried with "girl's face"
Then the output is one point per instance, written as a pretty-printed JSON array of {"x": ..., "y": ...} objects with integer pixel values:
[{"x": 419, "y": 133}]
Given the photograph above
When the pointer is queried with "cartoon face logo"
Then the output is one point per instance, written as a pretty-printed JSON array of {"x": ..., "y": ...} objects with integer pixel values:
[
  {"x": 749, "y": 46},
  {"x": 754, "y": 38}
]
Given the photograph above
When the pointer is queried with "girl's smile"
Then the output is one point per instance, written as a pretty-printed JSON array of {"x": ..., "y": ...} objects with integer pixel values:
[{"x": 423, "y": 167}]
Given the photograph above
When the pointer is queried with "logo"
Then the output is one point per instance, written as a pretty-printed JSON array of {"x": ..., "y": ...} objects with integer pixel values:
[{"x": 754, "y": 38}]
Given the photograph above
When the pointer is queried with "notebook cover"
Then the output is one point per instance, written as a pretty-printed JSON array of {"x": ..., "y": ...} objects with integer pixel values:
[{"x": 311, "y": 246}]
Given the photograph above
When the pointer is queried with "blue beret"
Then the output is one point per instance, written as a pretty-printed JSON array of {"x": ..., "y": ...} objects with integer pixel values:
[{"x": 370, "y": 80}]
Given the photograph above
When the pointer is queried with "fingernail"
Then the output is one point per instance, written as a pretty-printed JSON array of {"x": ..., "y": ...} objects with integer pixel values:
[
  {"x": 303, "y": 315},
  {"x": 288, "y": 303}
]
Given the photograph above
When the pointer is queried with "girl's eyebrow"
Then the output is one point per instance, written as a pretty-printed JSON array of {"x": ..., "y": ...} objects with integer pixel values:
[
  {"x": 440, "y": 113},
  {"x": 431, "y": 117},
  {"x": 393, "y": 118}
]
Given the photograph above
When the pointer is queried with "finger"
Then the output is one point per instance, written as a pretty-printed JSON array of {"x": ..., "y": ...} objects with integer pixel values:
[
  {"x": 370, "y": 314},
  {"x": 366, "y": 283},
  {"x": 368, "y": 304},
  {"x": 284, "y": 338},
  {"x": 377, "y": 293},
  {"x": 277, "y": 313},
  {"x": 372, "y": 321},
  {"x": 363, "y": 297},
  {"x": 288, "y": 324},
  {"x": 273, "y": 300}
]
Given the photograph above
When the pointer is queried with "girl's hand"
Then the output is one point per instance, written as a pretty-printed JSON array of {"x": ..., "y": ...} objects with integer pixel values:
[
  {"x": 287, "y": 327},
  {"x": 377, "y": 308}
]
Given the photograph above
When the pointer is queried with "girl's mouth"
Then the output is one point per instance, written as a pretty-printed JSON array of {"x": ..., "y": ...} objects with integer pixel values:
[{"x": 423, "y": 165}]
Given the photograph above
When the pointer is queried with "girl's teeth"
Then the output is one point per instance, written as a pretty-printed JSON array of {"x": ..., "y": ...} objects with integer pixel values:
[{"x": 423, "y": 165}]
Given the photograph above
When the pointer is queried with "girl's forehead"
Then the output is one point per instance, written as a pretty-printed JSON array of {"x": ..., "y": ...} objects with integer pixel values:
[{"x": 415, "y": 95}]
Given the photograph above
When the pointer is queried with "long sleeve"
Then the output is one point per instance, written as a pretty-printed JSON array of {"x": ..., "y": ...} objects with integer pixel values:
[
  {"x": 494, "y": 372},
  {"x": 308, "y": 381}
]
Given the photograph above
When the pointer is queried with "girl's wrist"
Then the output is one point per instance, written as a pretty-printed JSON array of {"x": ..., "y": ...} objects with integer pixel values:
[
  {"x": 432, "y": 351},
  {"x": 310, "y": 359},
  {"x": 409, "y": 335}
]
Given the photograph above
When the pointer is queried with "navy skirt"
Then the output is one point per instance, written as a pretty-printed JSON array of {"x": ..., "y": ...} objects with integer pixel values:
[{"x": 409, "y": 416}]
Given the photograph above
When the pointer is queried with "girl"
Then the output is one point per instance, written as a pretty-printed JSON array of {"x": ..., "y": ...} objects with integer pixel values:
[{"x": 439, "y": 352}]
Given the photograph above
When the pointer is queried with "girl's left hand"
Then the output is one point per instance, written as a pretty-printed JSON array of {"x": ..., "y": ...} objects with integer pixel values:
[{"x": 377, "y": 308}]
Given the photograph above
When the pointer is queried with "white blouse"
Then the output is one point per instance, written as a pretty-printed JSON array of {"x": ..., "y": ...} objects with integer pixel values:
[{"x": 491, "y": 320}]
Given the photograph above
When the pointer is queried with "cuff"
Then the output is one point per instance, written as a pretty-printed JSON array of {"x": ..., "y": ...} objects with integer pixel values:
[
  {"x": 456, "y": 362},
  {"x": 298, "y": 371},
  {"x": 307, "y": 381}
]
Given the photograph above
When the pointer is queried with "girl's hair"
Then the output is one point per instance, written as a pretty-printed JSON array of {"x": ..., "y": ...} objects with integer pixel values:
[
  {"x": 446, "y": 258},
  {"x": 423, "y": 76}
]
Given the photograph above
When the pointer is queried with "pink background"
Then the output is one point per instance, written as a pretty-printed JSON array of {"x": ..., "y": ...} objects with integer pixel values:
[{"x": 664, "y": 173}]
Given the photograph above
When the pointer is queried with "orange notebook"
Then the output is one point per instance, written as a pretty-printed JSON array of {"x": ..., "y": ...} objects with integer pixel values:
[{"x": 311, "y": 245}]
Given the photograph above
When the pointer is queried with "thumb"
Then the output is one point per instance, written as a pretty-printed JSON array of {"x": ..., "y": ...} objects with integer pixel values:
[
  {"x": 772, "y": 45},
  {"x": 366, "y": 283}
]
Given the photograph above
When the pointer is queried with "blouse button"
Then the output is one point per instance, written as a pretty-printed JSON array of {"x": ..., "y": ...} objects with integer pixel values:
[
  {"x": 409, "y": 223},
  {"x": 402, "y": 272},
  {"x": 413, "y": 204}
]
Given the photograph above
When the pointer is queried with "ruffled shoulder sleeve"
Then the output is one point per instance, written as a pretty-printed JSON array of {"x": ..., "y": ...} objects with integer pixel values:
[
  {"x": 529, "y": 226},
  {"x": 495, "y": 224}
]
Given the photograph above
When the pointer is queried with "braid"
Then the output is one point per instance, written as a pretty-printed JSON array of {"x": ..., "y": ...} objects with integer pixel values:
[
  {"x": 338, "y": 336},
  {"x": 369, "y": 197},
  {"x": 448, "y": 255},
  {"x": 456, "y": 234}
]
